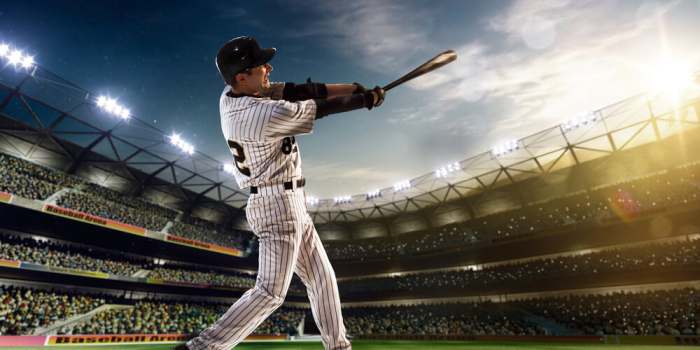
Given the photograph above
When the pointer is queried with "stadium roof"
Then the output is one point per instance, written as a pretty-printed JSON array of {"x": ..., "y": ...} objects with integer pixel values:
[
  {"x": 629, "y": 123},
  {"x": 56, "y": 115},
  {"x": 44, "y": 118}
]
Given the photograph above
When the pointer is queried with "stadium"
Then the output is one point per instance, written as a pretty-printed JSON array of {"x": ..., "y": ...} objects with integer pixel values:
[{"x": 115, "y": 234}]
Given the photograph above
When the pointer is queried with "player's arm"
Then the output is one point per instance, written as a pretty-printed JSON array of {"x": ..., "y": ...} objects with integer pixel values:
[
  {"x": 296, "y": 118},
  {"x": 339, "y": 90},
  {"x": 367, "y": 99},
  {"x": 311, "y": 90}
]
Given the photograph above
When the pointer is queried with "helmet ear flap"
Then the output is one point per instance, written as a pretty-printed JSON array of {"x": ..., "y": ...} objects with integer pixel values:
[{"x": 223, "y": 71}]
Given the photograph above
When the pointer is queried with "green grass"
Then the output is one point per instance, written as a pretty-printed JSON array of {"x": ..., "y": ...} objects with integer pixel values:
[{"x": 385, "y": 345}]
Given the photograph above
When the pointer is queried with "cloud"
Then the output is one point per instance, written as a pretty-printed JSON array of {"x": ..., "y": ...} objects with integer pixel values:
[
  {"x": 384, "y": 34},
  {"x": 425, "y": 110},
  {"x": 534, "y": 21},
  {"x": 403, "y": 115},
  {"x": 576, "y": 66}
]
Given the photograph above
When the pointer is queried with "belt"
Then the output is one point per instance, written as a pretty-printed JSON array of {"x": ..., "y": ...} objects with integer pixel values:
[{"x": 289, "y": 185}]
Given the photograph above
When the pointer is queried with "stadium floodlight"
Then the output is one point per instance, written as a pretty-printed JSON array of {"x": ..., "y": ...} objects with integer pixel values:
[
  {"x": 27, "y": 62},
  {"x": 579, "y": 121},
  {"x": 228, "y": 168},
  {"x": 312, "y": 200},
  {"x": 447, "y": 169},
  {"x": 403, "y": 185},
  {"x": 373, "y": 194},
  {"x": 342, "y": 199},
  {"x": 40, "y": 239},
  {"x": 505, "y": 148},
  {"x": 16, "y": 57},
  {"x": 111, "y": 106},
  {"x": 184, "y": 146}
]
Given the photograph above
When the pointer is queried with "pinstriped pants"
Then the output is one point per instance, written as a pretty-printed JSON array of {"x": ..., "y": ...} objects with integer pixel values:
[{"x": 288, "y": 243}]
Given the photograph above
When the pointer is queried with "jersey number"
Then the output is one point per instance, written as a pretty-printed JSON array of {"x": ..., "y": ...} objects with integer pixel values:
[
  {"x": 238, "y": 157},
  {"x": 289, "y": 145}
]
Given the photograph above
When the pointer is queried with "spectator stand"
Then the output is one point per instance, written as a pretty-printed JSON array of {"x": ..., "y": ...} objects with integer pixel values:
[
  {"x": 99, "y": 205},
  {"x": 644, "y": 196},
  {"x": 60, "y": 257}
]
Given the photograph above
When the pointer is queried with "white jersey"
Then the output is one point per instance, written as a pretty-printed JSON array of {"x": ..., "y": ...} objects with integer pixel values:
[{"x": 260, "y": 133}]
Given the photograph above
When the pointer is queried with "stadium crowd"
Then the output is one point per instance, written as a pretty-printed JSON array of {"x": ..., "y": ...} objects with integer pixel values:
[
  {"x": 623, "y": 201},
  {"x": 206, "y": 231},
  {"x": 60, "y": 255},
  {"x": 137, "y": 215},
  {"x": 23, "y": 309},
  {"x": 650, "y": 256},
  {"x": 158, "y": 317},
  {"x": 670, "y": 312},
  {"x": 445, "y": 319},
  {"x": 28, "y": 180},
  {"x": 202, "y": 277},
  {"x": 137, "y": 203},
  {"x": 31, "y": 181},
  {"x": 666, "y": 312},
  {"x": 661, "y": 312},
  {"x": 52, "y": 254}
]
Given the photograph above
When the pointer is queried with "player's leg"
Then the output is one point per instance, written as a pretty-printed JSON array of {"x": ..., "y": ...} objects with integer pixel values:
[
  {"x": 278, "y": 252},
  {"x": 315, "y": 270}
]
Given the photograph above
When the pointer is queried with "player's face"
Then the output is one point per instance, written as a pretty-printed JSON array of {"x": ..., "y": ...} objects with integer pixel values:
[{"x": 261, "y": 76}]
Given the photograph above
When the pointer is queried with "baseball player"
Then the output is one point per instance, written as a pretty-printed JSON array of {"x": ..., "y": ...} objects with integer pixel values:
[{"x": 259, "y": 121}]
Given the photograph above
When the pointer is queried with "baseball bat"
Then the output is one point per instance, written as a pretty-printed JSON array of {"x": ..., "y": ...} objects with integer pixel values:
[{"x": 429, "y": 66}]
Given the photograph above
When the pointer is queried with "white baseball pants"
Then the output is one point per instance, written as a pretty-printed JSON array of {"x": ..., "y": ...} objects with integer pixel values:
[{"x": 288, "y": 243}]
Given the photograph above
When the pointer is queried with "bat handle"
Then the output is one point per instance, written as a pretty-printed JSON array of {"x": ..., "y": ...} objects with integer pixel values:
[{"x": 389, "y": 86}]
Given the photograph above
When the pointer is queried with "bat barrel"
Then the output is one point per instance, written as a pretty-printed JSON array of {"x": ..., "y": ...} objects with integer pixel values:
[{"x": 429, "y": 66}]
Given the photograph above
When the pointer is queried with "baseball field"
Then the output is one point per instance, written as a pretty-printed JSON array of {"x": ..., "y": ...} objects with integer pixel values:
[{"x": 386, "y": 345}]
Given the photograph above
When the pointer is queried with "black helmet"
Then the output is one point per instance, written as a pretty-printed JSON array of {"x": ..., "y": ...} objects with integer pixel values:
[{"x": 239, "y": 54}]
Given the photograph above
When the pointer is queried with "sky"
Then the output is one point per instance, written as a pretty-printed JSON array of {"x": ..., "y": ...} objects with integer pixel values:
[{"x": 523, "y": 66}]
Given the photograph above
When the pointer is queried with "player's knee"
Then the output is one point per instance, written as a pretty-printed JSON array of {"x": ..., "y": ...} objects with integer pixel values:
[
  {"x": 275, "y": 296},
  {"x": 277, "y": 301}
]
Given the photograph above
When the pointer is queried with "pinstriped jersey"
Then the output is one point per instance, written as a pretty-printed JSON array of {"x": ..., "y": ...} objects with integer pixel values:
[{"x": 260, "y": 133}]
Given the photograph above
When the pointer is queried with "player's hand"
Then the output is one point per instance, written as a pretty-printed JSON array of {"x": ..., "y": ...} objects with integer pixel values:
[
  {"x": 378, "y": 96},
  {"x": 374, "y": 97}
]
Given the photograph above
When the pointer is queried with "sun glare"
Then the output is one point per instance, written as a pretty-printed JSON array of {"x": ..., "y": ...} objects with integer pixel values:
[
  {"x": 672, "y": 80},
  {"x": 670, "y": 76}
]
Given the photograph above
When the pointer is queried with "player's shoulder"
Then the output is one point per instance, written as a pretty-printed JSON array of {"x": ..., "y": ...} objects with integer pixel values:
[{"x": 228, "y": 96}]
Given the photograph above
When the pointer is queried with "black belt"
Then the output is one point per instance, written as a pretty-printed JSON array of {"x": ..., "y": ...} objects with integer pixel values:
[{"x": 287, "y": 186}]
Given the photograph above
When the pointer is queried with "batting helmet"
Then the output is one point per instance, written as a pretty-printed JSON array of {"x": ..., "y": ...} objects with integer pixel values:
[{"x": 239, "y": 54}]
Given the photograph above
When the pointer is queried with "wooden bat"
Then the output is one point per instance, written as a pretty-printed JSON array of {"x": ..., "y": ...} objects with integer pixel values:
[{"x": 429, "y": 66}]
